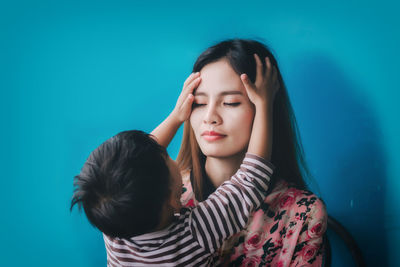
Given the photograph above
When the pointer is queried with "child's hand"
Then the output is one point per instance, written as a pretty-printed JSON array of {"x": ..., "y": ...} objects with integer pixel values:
[
  {"x": 164, "y": 132},
  {"x": 183, "y": 106},
  {"x": 263, "y": 91},
  {"x": 262, "y": 94}
]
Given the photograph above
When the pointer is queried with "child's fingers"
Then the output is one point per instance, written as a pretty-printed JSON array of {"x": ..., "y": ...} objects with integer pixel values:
[
  {"x": 189, "y": 89},
  {"x": 268, "y": 65},
  {"x": 247, "y": 83},
  {"x": 259, "y": 67},
  {"x": 187, "y": 104},
  {"x": 191, "y": 77},
  {"x": 191, "y": 86},
  {"x": 188, "y": 79},
  {"x": 259, "y": 70}
]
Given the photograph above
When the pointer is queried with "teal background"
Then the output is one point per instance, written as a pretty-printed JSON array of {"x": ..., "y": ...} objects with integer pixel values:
[{"x": 74, "y": 73}]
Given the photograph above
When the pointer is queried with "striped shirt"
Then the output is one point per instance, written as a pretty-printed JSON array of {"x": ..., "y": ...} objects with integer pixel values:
[{"x": 198, "y": 232}]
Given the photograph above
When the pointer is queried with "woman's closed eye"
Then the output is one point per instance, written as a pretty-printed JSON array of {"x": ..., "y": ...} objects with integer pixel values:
[
  {"x": 232, "y": 104},
  {"x": 195, "y": 105},
  {"x": 229, "y": 104}
]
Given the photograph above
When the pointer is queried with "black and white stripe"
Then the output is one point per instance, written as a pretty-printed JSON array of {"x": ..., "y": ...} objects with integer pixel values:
[{"x": 199, "y": 232}]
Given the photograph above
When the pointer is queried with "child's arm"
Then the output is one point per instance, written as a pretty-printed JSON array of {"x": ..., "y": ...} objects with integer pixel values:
[
  {"x": 168, "y": 128},
  {"x": 227, "y": 210},
  {"x": 262, "y": 95}
]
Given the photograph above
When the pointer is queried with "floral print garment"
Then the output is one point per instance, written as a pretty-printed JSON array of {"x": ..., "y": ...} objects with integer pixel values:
[{"x": 287, "y": 230}]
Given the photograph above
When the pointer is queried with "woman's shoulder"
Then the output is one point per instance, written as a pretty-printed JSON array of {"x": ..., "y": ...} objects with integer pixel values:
[
  {"x": 286, "y": 196},
  {"x": 288, "y": 208},
  {"x": 291, "y": 222}
]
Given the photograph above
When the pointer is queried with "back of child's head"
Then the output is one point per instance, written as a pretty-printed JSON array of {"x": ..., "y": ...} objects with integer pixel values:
[{"x": 123, "y": 185}]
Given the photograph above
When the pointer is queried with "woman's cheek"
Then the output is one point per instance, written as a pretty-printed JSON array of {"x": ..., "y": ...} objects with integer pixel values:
[
  {"x": 240, "y": 126},
  {"x": 194, "y": 120},
  {"x": 243, "y": 120}
]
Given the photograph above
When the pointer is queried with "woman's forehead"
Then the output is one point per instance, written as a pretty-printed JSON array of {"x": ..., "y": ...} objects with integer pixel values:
[{"x": 218, "y": 78}]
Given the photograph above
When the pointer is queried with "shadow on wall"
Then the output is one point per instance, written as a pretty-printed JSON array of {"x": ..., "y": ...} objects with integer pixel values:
[{"x": 343, "y": 146}]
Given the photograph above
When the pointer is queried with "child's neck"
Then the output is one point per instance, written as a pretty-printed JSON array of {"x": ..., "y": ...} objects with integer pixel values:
[
  {"x": 167, "y": 218},
  {"x": 220, "y": 170},
  {"x": 171, "y": 206}
]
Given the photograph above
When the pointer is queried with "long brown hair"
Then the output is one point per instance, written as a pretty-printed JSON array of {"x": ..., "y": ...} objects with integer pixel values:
[{"x": 287, "y": 150}]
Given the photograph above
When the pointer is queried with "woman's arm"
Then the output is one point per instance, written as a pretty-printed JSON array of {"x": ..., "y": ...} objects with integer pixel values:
[{"x": 168, "y": 128}]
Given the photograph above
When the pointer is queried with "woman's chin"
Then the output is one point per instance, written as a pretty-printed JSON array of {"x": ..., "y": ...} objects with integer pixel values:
[
  {"x": 216, "y": 155},
  {"x": 220, "y": 153}
]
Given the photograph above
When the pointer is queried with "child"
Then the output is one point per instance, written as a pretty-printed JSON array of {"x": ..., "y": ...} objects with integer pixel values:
[{"x": 130, "y": 190}]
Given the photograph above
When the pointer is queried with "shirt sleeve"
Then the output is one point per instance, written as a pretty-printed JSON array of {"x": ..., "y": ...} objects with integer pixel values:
[{"x": 227, "y": 210}]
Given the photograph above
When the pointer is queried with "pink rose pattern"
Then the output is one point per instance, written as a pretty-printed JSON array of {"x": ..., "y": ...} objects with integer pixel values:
[
  {"x": 287, "y": 230},
  {"x": 252, "y": 261}
]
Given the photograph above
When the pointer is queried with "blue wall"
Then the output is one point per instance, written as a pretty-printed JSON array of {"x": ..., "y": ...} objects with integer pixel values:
[{"x": 74, "y": 73}]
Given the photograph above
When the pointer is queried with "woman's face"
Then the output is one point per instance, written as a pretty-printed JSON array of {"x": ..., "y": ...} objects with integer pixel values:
[{"x": 222, "y": 115}]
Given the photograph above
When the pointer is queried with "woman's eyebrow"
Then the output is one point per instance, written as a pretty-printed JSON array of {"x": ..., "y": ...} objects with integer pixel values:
[
  {"x": 231, "y": 93},
  {"x": 234, "y": 92}
]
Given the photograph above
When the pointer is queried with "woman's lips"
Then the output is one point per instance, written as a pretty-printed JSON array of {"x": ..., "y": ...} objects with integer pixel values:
[{"x": 212, "y": 136}]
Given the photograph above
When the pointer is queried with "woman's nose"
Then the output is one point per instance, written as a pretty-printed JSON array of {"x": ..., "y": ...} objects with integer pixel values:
[{"x": 212, "y": 116}]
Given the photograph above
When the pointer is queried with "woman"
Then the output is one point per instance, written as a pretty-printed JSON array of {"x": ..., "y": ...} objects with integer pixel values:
[{"x": 288, "y": 229}]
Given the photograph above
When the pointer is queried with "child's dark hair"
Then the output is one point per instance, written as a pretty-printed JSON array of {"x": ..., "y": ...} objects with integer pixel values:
[{"x": 124, "y": 184}]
